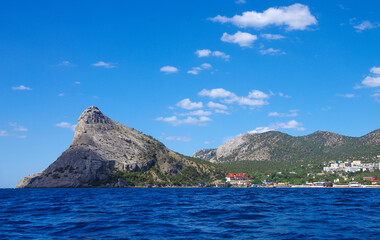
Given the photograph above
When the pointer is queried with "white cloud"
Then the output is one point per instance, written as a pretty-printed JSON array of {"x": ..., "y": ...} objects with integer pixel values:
[
  {"x": 373, "y": 80},
  {"x": 66, "y": 125},
  {"x": 17, "y": 127},
  {"x": 201, "y": 121},
  {"x": 208, "y": 142},
  {"x": 169, "y": 69},
  {"x": 244, "y": 39},
  {"x": 189, "y": 105},
  {"x": 246, "y": 101},
  {"x": 272, "y": 51},
  {"x": 348, "y": 95},
  {"x": 261, "y": 130},
  {"x": 283, "y": 95},
  {"x": 294, "y": 17},
  {"x": 271, "y": 36},
  {"x": 103, "y": 64},
  {"x": 206, "y": 66},
  {"x": 4, "y": 133},
  {"x": 229, "y": 97},
  {"x": 257, "y": 94},
  {"x": 216, "y": 105},
  {"x": 292, "y": 113},
  {"x": 375, "y": 70},
  {"x": 203, "y": 52},
  {"x": 197, "y": 113},
  {"x": 196, "y": 70},
  {"x": 292, "y": 124},
  {"x": 221, "y": 54},
  {"x": 61, "y": 95},
  {"x": 240, "y": 1},
  {"x": 215, "y": 93},
  {"x": 222, "y": 111},
  {"x": 22, "y": 87},
  {"x": 177, "y": 138},
  {"x": 208, "y": 53},
  {"x": 364, "y": 25}
]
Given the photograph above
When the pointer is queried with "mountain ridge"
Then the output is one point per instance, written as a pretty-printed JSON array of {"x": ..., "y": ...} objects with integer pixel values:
[
  {"x": 109, "y": 154},
  {"x": 276, "y": 146}
]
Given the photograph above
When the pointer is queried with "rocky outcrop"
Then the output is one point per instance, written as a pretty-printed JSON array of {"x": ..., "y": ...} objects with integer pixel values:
[
  {"x": 277, "y": 146},
  {"x": 102, "y": 150}
]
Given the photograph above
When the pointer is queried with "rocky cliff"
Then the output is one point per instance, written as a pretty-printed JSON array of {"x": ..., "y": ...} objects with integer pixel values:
[
  {"x": 108, "y": 154},
  {"x": 277, "y": 146}
]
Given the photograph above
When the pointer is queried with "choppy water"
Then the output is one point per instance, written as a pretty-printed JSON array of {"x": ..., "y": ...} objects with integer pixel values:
[{"x": 185, "y": 213}]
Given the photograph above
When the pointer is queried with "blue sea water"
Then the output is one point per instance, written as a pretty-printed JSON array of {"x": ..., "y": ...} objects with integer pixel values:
[{"x": 190, "y": 213}]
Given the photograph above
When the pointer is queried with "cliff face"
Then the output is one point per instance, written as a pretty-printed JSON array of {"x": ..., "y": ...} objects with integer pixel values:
[
  {"x": 277, "y": 146},
  {"x": 102, "y": 147}
]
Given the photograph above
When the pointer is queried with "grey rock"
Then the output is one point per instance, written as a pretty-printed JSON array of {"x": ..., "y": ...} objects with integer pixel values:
[{"x": 100, "y": 147}]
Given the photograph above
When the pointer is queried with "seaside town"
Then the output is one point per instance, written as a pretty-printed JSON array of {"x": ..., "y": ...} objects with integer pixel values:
[{"x": 338, "y": 174}]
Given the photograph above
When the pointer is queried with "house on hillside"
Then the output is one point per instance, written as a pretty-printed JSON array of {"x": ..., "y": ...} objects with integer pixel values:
[{"x": 237, "y": 178}]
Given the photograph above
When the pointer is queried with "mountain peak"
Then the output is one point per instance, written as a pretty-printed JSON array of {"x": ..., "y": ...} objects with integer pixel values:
[{"x": 92, "y": 115}]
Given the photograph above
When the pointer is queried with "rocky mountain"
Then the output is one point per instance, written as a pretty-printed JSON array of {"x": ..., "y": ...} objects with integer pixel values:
[
  {"x": 108, "y": 154},
  {"x": 277, "y": 146}
]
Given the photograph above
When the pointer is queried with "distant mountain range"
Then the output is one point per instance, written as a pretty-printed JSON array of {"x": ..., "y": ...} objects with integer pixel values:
[
  {"x": 278, "y": 146},
  {"x": 105, "y": 153}
]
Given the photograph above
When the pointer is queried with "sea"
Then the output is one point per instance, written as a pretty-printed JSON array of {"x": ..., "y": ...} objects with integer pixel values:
[{"x": 190, "y": 213}]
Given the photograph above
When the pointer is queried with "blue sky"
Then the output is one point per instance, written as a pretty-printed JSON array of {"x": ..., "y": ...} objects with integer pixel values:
[{"x": 192, "y": 74}]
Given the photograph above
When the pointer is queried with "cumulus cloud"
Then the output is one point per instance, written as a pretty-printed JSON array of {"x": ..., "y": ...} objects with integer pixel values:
[
  {"x": 169, "y": 69},
  {"x": 294, "y": 17},
  {"x": 215, "y": 93},
  {"x": 103, "y": 64},
  {"x": 365, "y": 25},
  {"x": 292, "y": 124},
  {"x": 196, "y": 70},
  {"x": 216, "y": 105},
  {"x": 22, "y": 87},
  {"x": 221, "y": 55},
  {"x": 201, "y": 121},
  {"x": 257, "y": 94},
  {"x": 246, "y": 101},
  {"x": 66, "y": 125},
  {"x": 271, "y": 36},
  {"x": 197, "y": 113},
  {"x": 244, "y": 39},
  {"x": 375, "y": 70},
  {"x": 272, "y": 51},
  {"x": 203, "y": 52},
  {"x": 189, "y": 105},
  {"x": 373, "y": 80},
  {"x": 254, "y": 99},
  {"x": 291, "y": 113},
  {"x": 208, "y": 53}
]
